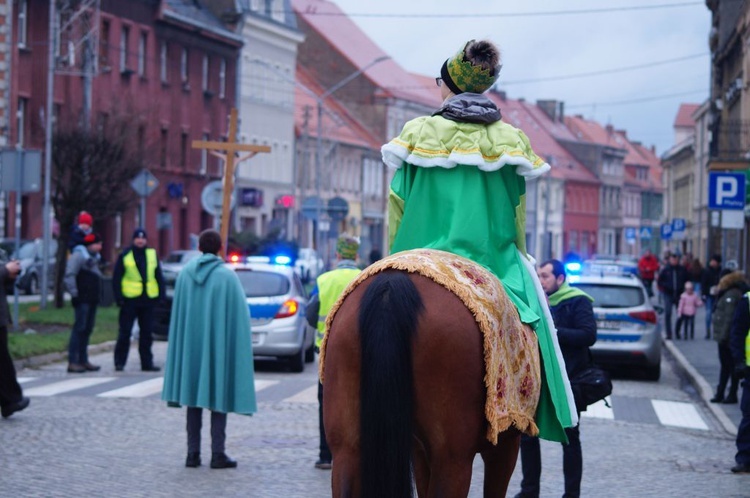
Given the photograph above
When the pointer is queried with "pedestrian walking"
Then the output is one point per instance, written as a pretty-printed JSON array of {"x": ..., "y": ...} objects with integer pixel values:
[
  {"x": 328, "y": 288},
  {"x": 671, "y": 283},
  {"x": 732, "y": 286},
  {"x": 690, "y": 301},
  {"x": 739, "y": 346},
  {"x": 210, "y": 353},
  {"x": 138, "y": 286},
  {"x": 709, "y": 288},
  {"x": 458, "y": 186},
  {"x": 12, "y": 399},
  {"x": 573, "y": 314},
  {"x": 83, "y": 281},
  {"x": 648, "y": 265}
]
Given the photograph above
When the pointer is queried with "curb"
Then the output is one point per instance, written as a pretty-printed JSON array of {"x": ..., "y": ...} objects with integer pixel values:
[
  {"x": 45, "y": 359},
  {"x": 704, "y": 388}
]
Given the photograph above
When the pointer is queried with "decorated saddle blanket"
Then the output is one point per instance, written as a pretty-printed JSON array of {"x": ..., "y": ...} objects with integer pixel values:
[{"x": 511, "y": 353}]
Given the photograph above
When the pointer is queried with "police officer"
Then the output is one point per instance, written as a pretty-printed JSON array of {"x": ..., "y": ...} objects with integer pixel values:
[
  {"x": 739, "y": 344},
  {"x": 138, "y": 286},
  {"x": 328, "y": 288}
]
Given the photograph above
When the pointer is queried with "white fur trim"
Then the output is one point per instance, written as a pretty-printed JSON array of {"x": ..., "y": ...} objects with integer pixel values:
[{"x": 527, "y": 261}]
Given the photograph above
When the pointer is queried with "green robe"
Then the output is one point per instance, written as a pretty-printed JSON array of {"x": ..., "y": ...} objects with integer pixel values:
[
  {"x": 460, "y": 187},
  {"x": 210, "y": 353}
]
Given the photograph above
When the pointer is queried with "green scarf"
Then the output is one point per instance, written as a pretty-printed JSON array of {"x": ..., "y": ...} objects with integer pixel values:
[{"x": 566, "y": 292}]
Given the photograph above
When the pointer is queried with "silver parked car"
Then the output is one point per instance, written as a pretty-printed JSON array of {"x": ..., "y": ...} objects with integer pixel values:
[
  {"x": 277, "y": 301},
  {"x": 174, "y": 263},
  {"x": 628, "y": 333}
]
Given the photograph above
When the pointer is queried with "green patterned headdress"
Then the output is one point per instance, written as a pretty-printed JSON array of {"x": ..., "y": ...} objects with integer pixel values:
[
  {"x": 347, "y": 246},
  {"x": 461, "y": 75}
]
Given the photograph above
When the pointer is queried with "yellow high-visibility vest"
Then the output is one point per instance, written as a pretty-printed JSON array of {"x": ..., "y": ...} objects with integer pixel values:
[
  {"x": 747, "y": 341},
  {"x": 132, "y": 283},
  {"x": 330, "y": 286}
]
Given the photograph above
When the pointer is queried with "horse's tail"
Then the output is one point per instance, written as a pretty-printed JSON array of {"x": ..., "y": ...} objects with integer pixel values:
[{"x": 388, "y": 316}]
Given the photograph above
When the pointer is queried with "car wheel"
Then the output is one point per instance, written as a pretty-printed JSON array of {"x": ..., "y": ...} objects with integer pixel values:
[
  {"x": 310, "y": 354},
  {"x": 653, "y": 372},
  {"x": 33, "y": 287},
  {"x": 297, "y": 361}
]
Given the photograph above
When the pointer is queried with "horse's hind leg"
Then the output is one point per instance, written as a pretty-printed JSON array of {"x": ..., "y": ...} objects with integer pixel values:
[{"x": 499, "y": 462}]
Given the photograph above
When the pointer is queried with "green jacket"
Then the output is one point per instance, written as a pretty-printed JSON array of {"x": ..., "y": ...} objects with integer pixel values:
[
  {"x": 210, "y": 354},
  {"x": 730, "y": 290},
  {"x": 460, "y": 187}
]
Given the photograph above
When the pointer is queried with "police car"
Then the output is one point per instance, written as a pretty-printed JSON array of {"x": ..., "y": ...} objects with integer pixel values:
[
  {"x": 277, "y": 302},
  {"x": 628, "y": 333}
]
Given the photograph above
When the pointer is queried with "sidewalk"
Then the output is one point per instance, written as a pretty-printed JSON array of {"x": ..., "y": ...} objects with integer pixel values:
[{"x": 699, "y": 359}]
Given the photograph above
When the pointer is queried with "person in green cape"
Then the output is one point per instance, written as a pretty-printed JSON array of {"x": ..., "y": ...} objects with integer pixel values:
[
  {"x": 210, "y": 353},
  {"x": 459, "y": 186}
]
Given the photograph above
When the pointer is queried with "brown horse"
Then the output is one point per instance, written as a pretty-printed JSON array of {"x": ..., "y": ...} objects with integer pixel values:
[{"x": 404, "y": 394}]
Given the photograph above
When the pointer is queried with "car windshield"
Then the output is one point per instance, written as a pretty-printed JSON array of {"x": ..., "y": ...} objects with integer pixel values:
[
  {"x": 263, "y": 283},
  {"x": 27, "y": 251},
  {"x": 613, "y": 296}
]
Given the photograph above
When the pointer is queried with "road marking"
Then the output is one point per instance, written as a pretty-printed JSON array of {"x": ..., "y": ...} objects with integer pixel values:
[
  {"x": 263, "y": 384},
  {"x": 22, "y": 380},
  {"x": 600, "y": 410},
  {"x": 676, "y": 414},
  {"x": 139, "y": 390},
  {"x": 309, "y": 395},
  {"x": 66, "y": 386}
]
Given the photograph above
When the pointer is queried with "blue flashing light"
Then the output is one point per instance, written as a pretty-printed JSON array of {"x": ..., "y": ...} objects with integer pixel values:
[
  {"x": 573, "y": 267},
  {"x": 282, "y": 259}
]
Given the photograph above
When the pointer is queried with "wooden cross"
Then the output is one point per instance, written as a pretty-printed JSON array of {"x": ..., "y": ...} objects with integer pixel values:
[{"x": 230, "y": 148}]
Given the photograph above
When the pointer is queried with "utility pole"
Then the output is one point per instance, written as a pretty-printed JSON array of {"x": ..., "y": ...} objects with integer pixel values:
[{"x": 304, "y": 170}]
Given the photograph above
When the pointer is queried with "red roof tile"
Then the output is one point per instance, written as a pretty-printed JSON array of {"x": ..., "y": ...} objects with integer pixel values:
[
  {"x": 685, "y": 115},
  {"x": 332, "y": 24},
  {"x": 592, "y": 131},
  {"x": 341, "y": 127}
]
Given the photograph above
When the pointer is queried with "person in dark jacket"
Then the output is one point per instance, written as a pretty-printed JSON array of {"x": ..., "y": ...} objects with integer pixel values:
[
  {"x": 12, "y": 399},
  {"x": 732, "y": 286},
  {"x": 739, "y": 351},
  {"x": 83, "y": 281},
  {"x": 709, "y": 282},
  {"x": 573, "y": 314},
  {"x": 83, "y": 227},
  {"x": 138, "y": 286},
  {"x": 671, "y": 283}
]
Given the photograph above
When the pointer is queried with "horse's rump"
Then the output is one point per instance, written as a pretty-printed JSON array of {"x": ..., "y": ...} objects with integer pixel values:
[{"x": 511, "y": 354}]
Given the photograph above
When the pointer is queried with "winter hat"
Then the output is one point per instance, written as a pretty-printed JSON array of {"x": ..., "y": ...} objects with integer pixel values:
[
  {"x": 92, "y": 238},
  {"x": 347, "y": 246},
  {"x": 464, "y": 72},
  {"x": 85, "y": 219},
  {"x": 139, "y": 233}
]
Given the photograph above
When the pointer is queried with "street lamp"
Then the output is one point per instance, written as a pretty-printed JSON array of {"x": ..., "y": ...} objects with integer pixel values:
[{"x": 320, "y": 99}]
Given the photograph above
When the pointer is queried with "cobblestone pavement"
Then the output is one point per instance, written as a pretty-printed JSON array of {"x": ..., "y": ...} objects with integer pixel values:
[{"x": 86, "y": 445}]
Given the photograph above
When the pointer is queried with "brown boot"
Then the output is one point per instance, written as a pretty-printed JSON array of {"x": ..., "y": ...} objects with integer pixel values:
[{"x": 76, "y": 368}]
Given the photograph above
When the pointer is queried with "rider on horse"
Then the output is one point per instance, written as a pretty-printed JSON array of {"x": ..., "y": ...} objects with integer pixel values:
[{"x": 459, "y": 186}]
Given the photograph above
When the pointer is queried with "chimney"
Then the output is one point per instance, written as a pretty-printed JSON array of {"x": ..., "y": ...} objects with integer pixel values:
[
  {"x": 549, "y": 107},
  {"x": 609, "y": 129},
  {"x": 500, "y": 93}
]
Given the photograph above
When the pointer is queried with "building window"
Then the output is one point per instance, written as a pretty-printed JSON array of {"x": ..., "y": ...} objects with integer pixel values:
[
  {"x": 124, "y": 38},
  {"x": 22, "y": 23},
  {"x": 21, "y": 121},
  {"x": 142, "y": 54},
  {"x": 184, "y": 65},
  {"x": 184, "y": 149},
  {"x": 204, "y": 76},
  {"x": 163, "y": 62},
  {"x": 204, "y": 156},
  {"x": 222, "y": 78},
  {"x": 103, "y": 45},
  {"x": 163, "y": 148}
]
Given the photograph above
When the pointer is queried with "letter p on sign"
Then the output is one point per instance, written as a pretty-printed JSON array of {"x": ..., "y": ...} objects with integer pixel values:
[{"x": 726, "y": 188}]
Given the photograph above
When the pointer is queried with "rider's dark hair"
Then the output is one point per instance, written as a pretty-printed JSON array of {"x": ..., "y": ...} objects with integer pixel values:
[
  {"x": 557, "y": 267},
  {"x": 209, "y": 241}
]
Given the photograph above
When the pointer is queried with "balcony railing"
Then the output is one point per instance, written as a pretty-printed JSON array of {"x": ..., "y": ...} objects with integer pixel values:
[{"x": 730, "y": 140}]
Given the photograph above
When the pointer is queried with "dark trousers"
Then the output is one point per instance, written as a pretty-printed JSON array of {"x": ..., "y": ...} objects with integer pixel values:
[
  {"x": 325, "y": 451},
  {"x": 218, "y": 430},
  {"x": 648, "y": 283},
  {"x": 10, "y": 390},
  {"x": 726, "y": 372},
  {"x": 743, "y": 431},
  {"x": 531, "y": 464},
  {"x": 78, "y": 347},
  {"x": 709, "y": 311},
  {"x": 669, "y": 304},
  {"x": 689, "y": 323},
  {"x": 143, "y": 310}
]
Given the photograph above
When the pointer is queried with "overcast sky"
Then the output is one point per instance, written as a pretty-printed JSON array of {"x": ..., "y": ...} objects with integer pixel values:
[{"x": 421, "y": 34}]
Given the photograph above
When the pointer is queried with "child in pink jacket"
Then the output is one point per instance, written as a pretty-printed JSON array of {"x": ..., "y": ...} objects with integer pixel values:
[{"x": 689, "y": 303}]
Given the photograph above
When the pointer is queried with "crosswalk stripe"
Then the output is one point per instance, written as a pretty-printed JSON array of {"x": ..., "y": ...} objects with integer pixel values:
[
  {"x": 23, "y": 380},
  {"x": 139, "y": 390},
  {"x": 600, "y": 410},
  {"x": 309, "y": 395},
  {"x": 263, "y": 384},
  {"x": 66, "y": 385},
  {"x": 677, "y": 414}
]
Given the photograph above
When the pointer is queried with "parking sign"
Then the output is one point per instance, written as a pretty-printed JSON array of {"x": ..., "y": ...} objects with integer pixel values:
[
  {"x": 666, "y": 231},
  {"x": 726, "y": 190}
]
